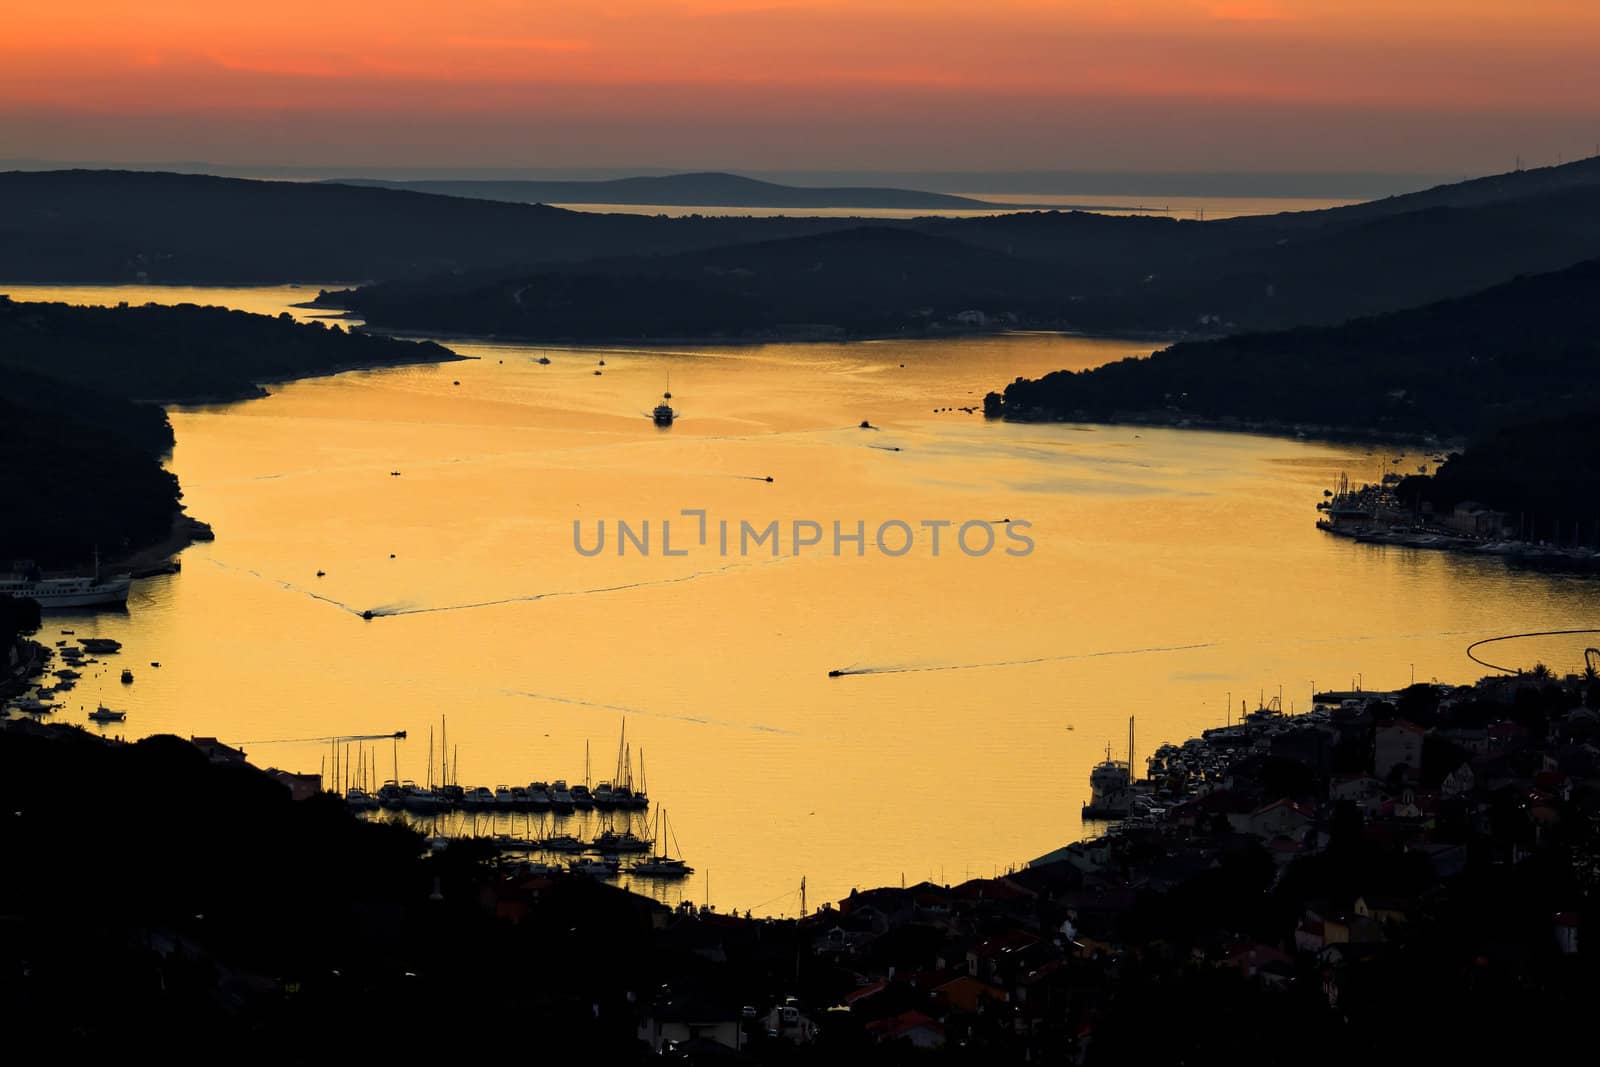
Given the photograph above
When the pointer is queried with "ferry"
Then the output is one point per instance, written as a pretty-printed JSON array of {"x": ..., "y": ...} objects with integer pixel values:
[
  {"x": 91, "y": 591},
  {"x": 1111, "y": 785},
  {"x": 663, "y": 414}
]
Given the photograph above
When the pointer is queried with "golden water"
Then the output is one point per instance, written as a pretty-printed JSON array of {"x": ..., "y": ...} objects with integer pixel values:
[{"x": 973, "y": 756}]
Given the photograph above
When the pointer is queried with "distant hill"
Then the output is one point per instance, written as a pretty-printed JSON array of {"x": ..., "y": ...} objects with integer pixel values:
[
  {"x": 123, "y": 226},
  {"x": 1046, "y": 271},
  {"x": 1074, "y": 270},
  {"x": 872, "y": 280},
  {"x": 1473, "y": 192},
  {"x": 1516, "y": 352},
  {"x": 712, "y": 189}
]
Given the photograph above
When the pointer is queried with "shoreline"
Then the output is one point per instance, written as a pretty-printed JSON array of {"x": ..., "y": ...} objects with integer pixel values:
[
  {"x": 258, "y": 391},
  {"x": 817, "y": 336},
  {"x": 1299, "y": 431}
]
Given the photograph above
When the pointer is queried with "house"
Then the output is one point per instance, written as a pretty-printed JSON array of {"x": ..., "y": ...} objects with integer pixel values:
[
  {"x": 1281, "y": 818},
  {"x": 300, "y": 786},
  {"x": 1363, "y": 790},
  {"x": 1399, "y": 744},
  {"x": 923, "y": 1031},
  {"x": 1389, "y": 910},
  {"x": 986, "y": 957},
  {"x": 216, "y": 751},
  {"x": 1566, "y": 929},
  {"x": 1252, "y": 960},
  {"x": 691, "y": 1017},
  {"x": 1309, "y": 935},
  {"x": 1459, "y": 781},
  {"x": 967, "y": 995}
]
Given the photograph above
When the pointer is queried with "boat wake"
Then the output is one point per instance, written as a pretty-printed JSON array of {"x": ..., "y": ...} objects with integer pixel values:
[
  {"x": 599, "y": 706},
  {"x": 916, "y": 668},
  {"x": 288, "y": 586},
  {"x": 528, "y": 598}
]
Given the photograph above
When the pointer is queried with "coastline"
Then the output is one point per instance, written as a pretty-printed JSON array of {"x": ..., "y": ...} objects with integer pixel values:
[
  {"x": 261, "y": 392},
  {"x": 1299, "y": 431},
  {"x": 819, "y": 335}
]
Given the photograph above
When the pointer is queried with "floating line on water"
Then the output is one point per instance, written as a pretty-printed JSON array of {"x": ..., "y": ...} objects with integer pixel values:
[
  {"x": 1513, "y": 637},
  {"x": 912, "y": 669},
  {"x": 601, "y": 706},
  {"x": 399, "y": 609}
]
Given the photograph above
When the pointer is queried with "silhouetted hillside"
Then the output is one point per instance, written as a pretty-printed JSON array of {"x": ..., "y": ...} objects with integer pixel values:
[
  {"x": 1073, "y": 270},
  {"x": 168, "y": 354},
  {"x": 685, "y": 190},
  {"x": 1472, "y": 192},
  {"x": 871, "y": 280},
  {"x": 119, "y": 226},
  {"x": 1516, "y": 351},
  {"x": 80, "y": 470},
  {"x": 1546, "y": 474},
  {"x": 82, "y": 457}
]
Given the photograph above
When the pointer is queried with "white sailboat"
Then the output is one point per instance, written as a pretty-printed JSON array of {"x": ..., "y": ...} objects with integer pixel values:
[{"x": 662, "y": 865}]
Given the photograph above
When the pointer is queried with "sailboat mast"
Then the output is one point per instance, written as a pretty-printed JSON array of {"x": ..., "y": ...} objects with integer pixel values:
[{"x": 1131, "y": 775}]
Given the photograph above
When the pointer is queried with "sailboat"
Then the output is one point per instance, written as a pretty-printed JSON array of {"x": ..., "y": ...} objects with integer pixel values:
[{"x": 662, "y": 865}]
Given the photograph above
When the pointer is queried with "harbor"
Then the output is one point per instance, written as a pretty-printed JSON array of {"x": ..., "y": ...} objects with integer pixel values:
[{"x": 1379, "y": 514}]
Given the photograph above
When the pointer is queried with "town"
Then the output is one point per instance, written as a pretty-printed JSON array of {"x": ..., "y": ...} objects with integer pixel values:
[{"x": 1381, "y": 858}]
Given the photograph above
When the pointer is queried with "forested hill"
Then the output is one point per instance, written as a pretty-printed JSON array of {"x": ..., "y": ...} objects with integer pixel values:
[
  {"x": 173, "y": 354},
  {"x": 81, "y": 470},
  {"x": 124, "y": 226},
  {"x": 865, "y": 281},
  {"x": 1545, "y": 473},
  {"x": 1514, "y": 352},
  {"x": 82, "y": 453}
]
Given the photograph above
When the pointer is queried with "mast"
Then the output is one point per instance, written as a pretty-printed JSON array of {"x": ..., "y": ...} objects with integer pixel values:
[
  {"x": 586, "y": 763},
  {"x": 1130, "y": 750}
]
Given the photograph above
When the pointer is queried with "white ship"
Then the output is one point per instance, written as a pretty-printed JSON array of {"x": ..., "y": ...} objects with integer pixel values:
[{"x": 89, "y": 591}]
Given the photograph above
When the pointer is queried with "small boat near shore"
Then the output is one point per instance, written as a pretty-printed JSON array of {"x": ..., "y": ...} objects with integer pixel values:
[{"x": 105, "y": 714}]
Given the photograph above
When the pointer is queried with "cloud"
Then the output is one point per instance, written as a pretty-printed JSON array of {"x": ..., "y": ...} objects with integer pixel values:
[{"x": 520, "y": 44}]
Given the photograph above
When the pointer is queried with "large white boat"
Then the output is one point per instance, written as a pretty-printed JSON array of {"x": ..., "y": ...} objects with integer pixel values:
[
  {"x": 89, "y": 591},
  {"x": 1111, "y": 785}
]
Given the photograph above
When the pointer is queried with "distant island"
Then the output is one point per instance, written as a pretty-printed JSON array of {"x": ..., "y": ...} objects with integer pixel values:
[
  {"x": 709, "y": 189},
  {"x": 80, "y": 429}
]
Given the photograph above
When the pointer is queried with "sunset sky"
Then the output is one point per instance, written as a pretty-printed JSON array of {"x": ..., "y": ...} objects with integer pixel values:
[{"x": 1432, "y": 85}]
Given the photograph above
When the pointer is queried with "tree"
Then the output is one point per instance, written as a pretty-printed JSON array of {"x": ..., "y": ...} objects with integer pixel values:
[{"x": 19, "y": 617}]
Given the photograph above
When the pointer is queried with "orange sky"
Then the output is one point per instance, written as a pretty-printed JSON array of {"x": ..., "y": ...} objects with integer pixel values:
[{"x": 1169, "y": 84}]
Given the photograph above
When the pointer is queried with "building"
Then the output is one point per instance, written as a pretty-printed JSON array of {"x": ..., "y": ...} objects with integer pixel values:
[
  {"x": 216, "y": 751},
  {"x": 1399, "y": 744}
]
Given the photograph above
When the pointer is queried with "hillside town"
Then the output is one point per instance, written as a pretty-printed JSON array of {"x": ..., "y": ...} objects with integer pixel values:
[{"x": 1370, "y": 869}]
